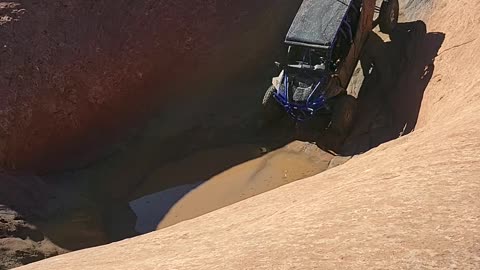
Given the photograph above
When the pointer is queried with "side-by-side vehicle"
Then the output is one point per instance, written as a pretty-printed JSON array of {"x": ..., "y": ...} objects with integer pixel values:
[{"x": 325, "y": 42}]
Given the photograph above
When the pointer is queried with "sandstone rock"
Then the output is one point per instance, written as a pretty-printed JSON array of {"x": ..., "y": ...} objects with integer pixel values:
[{"x": 409, "y": 203}]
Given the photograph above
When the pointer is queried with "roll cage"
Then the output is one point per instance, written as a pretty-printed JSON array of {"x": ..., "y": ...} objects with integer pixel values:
[{"x": 330, "y": 33}]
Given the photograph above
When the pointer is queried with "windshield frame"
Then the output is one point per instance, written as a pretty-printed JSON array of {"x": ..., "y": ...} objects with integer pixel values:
[{"x": 300, "y": 57}]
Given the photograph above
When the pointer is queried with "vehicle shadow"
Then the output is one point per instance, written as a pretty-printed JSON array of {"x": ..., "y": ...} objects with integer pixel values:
[
  {"x": 395, "y": 75},
  {"x": 391, "y": 95}
]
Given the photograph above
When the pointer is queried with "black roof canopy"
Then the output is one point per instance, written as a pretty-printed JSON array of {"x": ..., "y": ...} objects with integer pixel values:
[{"x": 317, "y": 22}]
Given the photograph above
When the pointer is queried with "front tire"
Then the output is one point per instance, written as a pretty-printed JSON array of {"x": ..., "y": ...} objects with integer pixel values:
[
  {"x": 272, "y": 111},
  {"x": 389, "y": 16},
  {"x": 343, "y": 116}
]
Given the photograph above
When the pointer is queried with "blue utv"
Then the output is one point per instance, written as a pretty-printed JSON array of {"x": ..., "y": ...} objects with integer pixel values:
[{"x": 325, "y": 42}]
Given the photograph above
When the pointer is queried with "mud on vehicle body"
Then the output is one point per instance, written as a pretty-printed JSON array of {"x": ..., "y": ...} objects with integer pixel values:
[{"x": 325, "y": 42}]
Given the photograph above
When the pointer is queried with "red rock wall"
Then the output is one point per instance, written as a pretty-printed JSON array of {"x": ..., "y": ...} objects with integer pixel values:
[{"x": 74, "y": 74}]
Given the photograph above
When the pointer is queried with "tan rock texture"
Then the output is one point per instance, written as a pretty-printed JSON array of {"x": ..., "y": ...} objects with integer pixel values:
[{"x": 407, "y": 204}]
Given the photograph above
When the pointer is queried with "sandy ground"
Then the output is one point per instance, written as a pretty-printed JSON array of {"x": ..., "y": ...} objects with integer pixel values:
[
  {"x": 292, "y": 162},
  {"x": 410, "y": 203}
]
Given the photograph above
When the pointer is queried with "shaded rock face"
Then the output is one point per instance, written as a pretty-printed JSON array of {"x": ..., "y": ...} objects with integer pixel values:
[
  {"x": 23, "y": 198},
  {"x": 21, "y": 242},
  {"x": 75, "y": 72}
]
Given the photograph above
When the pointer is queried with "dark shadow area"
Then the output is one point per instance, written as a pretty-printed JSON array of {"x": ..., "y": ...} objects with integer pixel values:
[
  {"x": 395, "y": 75},
  {"x": 23, "y": 199},
  {"x": 391, "y": 94},
  {"x": 153, "y": 208}
]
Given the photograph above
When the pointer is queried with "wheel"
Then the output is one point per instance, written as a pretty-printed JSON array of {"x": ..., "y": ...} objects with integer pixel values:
[
  {"x": 389, "y": 15},
  {"x": 343, "y": 115},
  {"x": 271, "y": 109}
]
